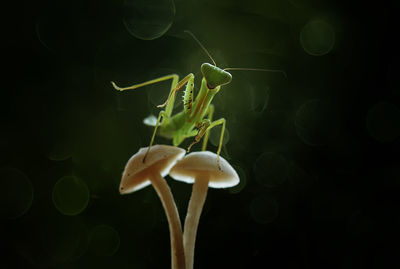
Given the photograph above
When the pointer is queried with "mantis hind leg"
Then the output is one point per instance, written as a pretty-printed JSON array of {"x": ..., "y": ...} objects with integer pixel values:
[
  {"x": 210, "y": 116},
  {"x": 213, "y": 124}
]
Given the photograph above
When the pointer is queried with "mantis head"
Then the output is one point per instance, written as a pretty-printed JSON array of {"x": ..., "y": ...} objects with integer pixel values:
[{"x": 215, "y": 76}]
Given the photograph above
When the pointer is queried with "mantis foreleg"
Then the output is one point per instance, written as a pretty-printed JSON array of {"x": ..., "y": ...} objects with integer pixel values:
[
  {"x": 188, "y": 97},
  {"x": 202, "y": 127},
  {"x": 170, "y": 101}
]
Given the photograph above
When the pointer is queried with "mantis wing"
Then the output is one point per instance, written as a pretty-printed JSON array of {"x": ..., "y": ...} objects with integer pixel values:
[{"x": 150, "y": 120}]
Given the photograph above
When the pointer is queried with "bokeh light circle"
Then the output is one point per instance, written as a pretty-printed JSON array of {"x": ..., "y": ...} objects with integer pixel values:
[
  {"x": 215, "y": 135},
  {"x": 16, "y": 193},
  {"x": 264, "y": 209},
  {"x": 70, "y": 195},
  {"x": 317, "y": 37},
  {"x": 104, "y": 240},
  {"x": 383, "y": 122},
  {"x": 270, "y": 169},
  {"x": 148, "y": 19}
]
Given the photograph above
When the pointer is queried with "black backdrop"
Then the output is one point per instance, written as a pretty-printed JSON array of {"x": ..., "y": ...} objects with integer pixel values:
[{"x": 316, "y": 151}]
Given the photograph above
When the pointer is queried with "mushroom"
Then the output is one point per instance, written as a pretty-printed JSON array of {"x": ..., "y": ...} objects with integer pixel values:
[
  {"x": 139, "y": 174},
  {"x": 201, "y": 169}
]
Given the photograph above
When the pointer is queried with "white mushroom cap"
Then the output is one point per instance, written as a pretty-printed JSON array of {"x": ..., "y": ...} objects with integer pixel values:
[
  {"x": 203, "y": 164},
  {"x": 137, "y": 174}
]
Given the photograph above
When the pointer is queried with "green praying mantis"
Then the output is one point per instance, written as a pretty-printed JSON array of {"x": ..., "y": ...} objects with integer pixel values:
[{"x": 196, "y": 119}]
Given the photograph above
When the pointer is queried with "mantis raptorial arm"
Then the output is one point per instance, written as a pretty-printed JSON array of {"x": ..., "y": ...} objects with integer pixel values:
[
  {"x": 202, "y": 127},
  {"x": 188, "y": 79}
]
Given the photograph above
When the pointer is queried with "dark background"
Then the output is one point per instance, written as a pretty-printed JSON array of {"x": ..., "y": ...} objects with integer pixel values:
[{"x": 316, "y": 151}]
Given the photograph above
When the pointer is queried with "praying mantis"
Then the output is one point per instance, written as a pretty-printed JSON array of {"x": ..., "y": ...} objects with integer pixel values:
[{"x": 196, "y": 119}]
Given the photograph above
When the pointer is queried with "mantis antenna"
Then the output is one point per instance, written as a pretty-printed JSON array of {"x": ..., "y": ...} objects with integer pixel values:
[
  {"x": 255, "y": 69},
  {"x": 201, "y": 45}
]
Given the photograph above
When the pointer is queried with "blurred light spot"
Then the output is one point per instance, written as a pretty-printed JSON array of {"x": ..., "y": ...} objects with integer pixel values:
[
  {"x": 16, "y": 193},
  {"x": 215, "y": 135},
  {"x": 148, "y": 19},
  {"x": 270, "y": 169},
  {"x": 317, "y": 37},
  {"x": 264, "y": 209},
  {"x": 70, "y": 195},
  {"x": 243, "y": 180},
  {"x": 104, "y": 240},
  {"x": 314, "y": 123},
  {"x": 383, "y": 122}
]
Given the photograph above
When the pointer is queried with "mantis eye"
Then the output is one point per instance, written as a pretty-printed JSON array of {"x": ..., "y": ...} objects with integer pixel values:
[{"x": 215, "y": 76}]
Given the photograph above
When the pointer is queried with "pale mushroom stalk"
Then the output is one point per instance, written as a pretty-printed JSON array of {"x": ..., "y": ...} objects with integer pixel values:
[
  {"x": 196, "y": 203},
  {"x": 139, "y": 174},
  {"x": 175, "y": 227},
  {"x": 201, "y": 169}
]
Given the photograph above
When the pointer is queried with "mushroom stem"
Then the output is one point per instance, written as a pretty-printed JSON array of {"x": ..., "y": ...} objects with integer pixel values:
[
  {"x": 175, "y": 228},
  {"x": 199, "y": 194}
]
